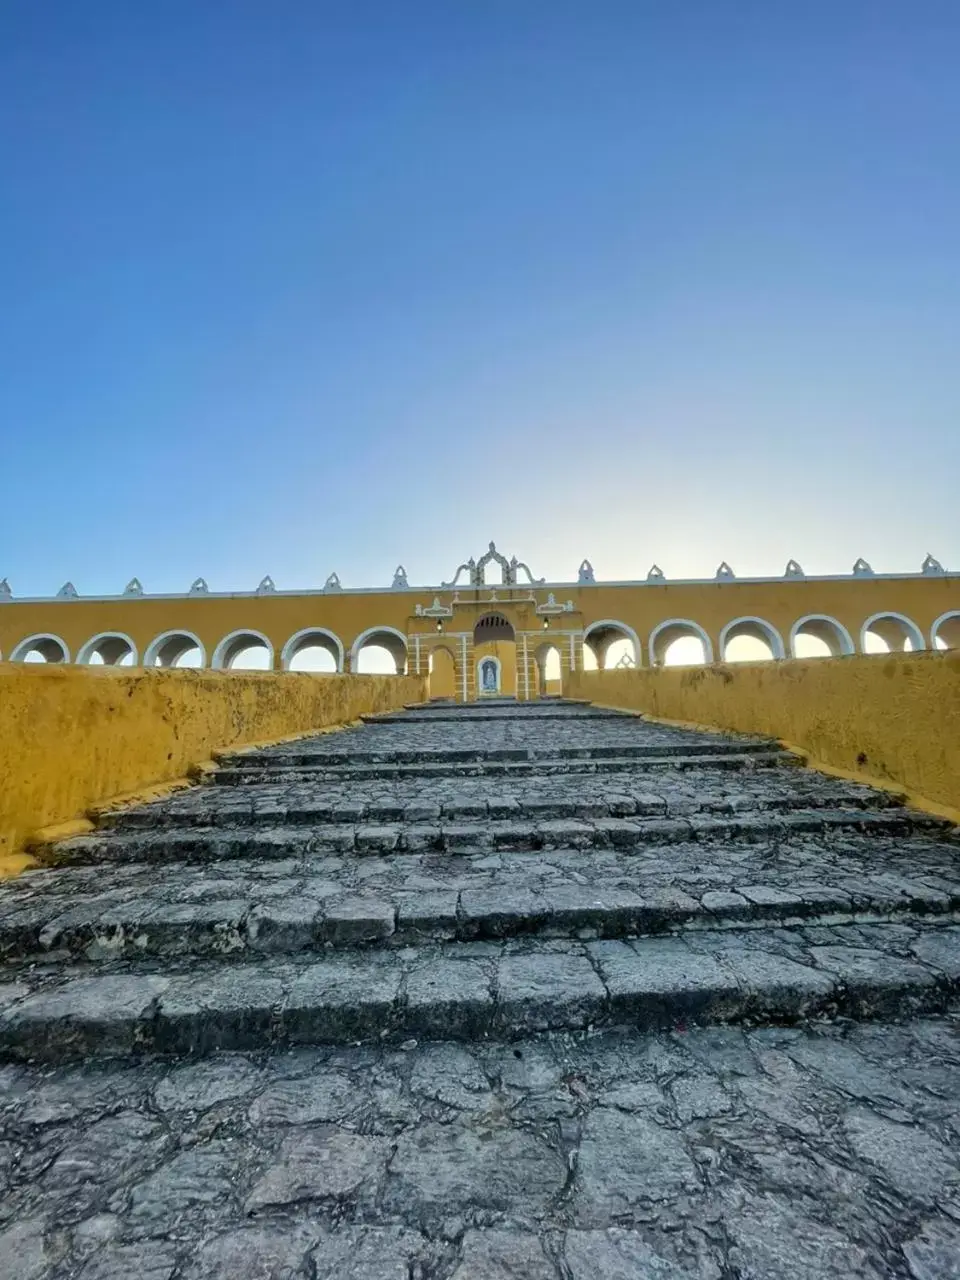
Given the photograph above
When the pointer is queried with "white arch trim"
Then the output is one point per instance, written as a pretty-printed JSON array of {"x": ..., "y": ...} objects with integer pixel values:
[
  {"x": 20, "y": 651},
  {"x": 217, "y": 661},
  {"x": 772, "y": 635},
  {"x": 364, "y": 636},
  {"x": 692, "y": 628},
  {"x": 628, "y": 632},
  {"x": 843, "y": 635},
  {"x": 157, "y": 643},
  {"x": 86, "y": 651},
  {"x": 292, "y": 647},
  {"x": 911, "y": 628},
  {"x": 944, "y": 617}
]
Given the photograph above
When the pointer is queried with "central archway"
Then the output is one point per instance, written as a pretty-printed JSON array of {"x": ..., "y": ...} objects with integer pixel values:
[{"x": 495, "y": 656}]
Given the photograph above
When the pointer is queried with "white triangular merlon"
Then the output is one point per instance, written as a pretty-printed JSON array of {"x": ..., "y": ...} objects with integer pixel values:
[
  {"x": 585, "y": 572},
  {"x": 5, "y": 592},
  {"x": 133, "y": 588},
  {"x": 67, "y": 592},
  {"x": 656, "y": 574},
  {"x": 862, "y": 570},
  {"x": 266, "y": 586},
  {"x": 332, "y": 583},
  {"x": 931, "y": 566},
  {"x": 793, "y": 570},
  {"x": 199, "y": 587},
  {"x": 399, "y": 578},
  {"x": 724, "y": 571}
]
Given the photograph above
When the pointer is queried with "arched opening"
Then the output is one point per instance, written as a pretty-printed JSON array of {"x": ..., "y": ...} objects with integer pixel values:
[
  {"x": 547, "y": 658},
  {"x": 313, "y": 649},
  {"x": 945, "y": 632},
  {"x": 494, "y": 655},
  {"x": 443, "y": 673},
  {"x": 175, "y": 649},
  {"x": 819, "y": 636},
  {"x": 750, "y": 640},
  {"x": 890, "y": 633},
  {"x": 243, "y": 651},
  {"x": 380, "y": 651},
  {"x": 611, "y": 644},
  {"x": 109, "y": 649},
  {"x": 40, "y": 648},
  {"x": 679, "y": 642},
  {"x": 491, "y": 627}
]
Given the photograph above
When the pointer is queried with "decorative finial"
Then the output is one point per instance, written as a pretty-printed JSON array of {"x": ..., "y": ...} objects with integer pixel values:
[
  {"x": 133, "y": 588},
  {"x": 67, "y": 592},
  {"x": 266, "y": 587},
  {"x": 724, "y": 572},
  {"x": 5, "y": 592},
  {"x": 332, "y": 583},
  {"x": 199, "y": 587},
  {"x": 862, "y": 570},
  {"x": 400, "y": 578},
  {"x": 793, "y": 570},
  {"x": 656, "y": 574},
  {"x": 931, "y": 566},
  {"x": 585, "y": 572}
]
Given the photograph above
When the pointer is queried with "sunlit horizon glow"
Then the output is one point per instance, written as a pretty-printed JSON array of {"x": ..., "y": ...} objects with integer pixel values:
[{"x": 298, "y": 290}]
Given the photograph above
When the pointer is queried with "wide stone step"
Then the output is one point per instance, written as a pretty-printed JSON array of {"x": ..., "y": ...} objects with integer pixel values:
[
  {"x": 485, "y": 714},
  {"x": 273, "y": 806},
  {"x": 274, "y": 758},
  {"x": 470, "y": 991},
  {"x": 254, "y": 916},
  {"x": 236, "y": 774},
  {"x": 211, "y": 843}
]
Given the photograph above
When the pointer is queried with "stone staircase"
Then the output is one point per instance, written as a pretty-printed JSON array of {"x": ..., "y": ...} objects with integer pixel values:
[{"x": 473, "y": 872}]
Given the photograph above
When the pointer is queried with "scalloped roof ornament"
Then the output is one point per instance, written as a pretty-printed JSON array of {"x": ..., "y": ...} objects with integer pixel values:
[
  {"x": 133, "y": 588},
  {"x": 931, "y": 567},
  {"x": 862, "y": 569},
  {"x": 400, "y": 582},
  {"x": 5, "y": 592},
  {"x": 266, "y": 587},
  {"x": 585, "y": 572},
  {"x": 724, "y": 572},
  {"x": 793, "y": 570},
  {"x": 68, "y": 592},
  {"x": 333, "y": 583},
  {"x": 656, "y": 574},
  {"x": 199, "y": 587}
]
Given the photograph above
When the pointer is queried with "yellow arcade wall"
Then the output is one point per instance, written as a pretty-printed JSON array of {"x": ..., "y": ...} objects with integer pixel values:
[
  {"x": 892, "y": 719},
  {"x": 75, "y": 737},
  {"x": 639, "y": 606}
]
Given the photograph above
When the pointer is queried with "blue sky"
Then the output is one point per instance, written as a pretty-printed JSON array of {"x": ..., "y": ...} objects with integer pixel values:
[{"x": 298, "y": 287}]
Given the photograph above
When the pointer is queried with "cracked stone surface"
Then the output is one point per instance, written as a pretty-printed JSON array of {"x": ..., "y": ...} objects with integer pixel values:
[
  {"x": 481, "y": 994},
  {"x": 802, "y": 1152}
]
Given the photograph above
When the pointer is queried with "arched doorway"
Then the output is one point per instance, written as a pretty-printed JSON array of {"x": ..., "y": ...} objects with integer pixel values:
[
  {"x": 495, "y": 657},
  {"x": 548, "y": 670},
  {"x": 443, "y": 673}
]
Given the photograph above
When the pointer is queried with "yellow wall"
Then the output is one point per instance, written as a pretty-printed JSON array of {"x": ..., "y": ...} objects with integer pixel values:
[
  {"x": 893, "y": 719},
  {"x": 640, "y": 606},
  {"x": 74, "y": 737}
]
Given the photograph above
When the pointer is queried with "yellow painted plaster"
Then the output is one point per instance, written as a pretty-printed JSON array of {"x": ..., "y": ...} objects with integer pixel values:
[
  {"x": 892, "y": 720},
  {"x": 640, "y": 606},
  {"x": 74, "y": 738}
]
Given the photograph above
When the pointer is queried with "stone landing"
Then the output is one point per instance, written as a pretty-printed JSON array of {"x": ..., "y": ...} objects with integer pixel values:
[{"x": 487, "y": 992}]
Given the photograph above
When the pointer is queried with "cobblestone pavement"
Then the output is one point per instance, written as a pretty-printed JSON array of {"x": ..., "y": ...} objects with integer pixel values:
[{"x": 481, "y": 994}]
